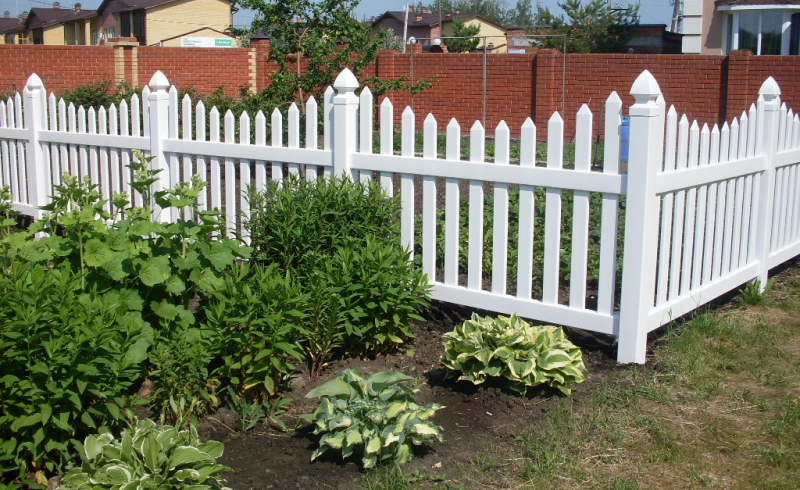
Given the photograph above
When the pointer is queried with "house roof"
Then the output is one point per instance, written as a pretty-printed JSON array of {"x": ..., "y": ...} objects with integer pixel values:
[
  {"x": 429, "y": 20},
  {"x": 725, "y": 3},
  {"x": 9, "y": 23},
  {"x": 128, "y": 5},
  {"x": 41, "y": 17}
]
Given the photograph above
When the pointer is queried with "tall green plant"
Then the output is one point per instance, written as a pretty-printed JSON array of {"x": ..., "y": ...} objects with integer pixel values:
[{"x": 70, "y": 361}]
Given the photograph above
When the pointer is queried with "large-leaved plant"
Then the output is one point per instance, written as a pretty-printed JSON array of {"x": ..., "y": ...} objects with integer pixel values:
[
  {"x": 146, "y": 456},
  {"x": 376, "y": 418},
  {"x": 511, "y": 348}
]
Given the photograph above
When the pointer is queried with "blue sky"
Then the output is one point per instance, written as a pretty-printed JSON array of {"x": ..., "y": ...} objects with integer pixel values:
[{"x": 652, "y": 11}]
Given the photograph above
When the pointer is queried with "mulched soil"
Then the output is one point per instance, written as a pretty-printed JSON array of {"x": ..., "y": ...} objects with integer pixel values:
[{"x": 474, "y": 418}]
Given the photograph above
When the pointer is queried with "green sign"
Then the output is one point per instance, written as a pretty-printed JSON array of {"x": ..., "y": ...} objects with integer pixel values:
[{"x": 223, "y": 42}]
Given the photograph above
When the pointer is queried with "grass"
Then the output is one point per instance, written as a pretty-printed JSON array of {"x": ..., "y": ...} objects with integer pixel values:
[{"x": 717, "y": 406}]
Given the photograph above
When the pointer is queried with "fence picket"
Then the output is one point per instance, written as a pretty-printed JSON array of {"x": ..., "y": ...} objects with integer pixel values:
[
  {"x": 105, "y": 170},
  {"x": 83, "y": 150},
  {"x": 407, "y": 183},
  {"x": 387, "y": 142},
  {"x": 477, "y": 141},
  {"x": 200, "y": 135},
  {"x": 230, "y": 175},
  {"x": 690, "y": 213},
  {"x": 55, "y": 160},
  {"x": 186, "y": 128},
  {"x": 5, "y": 167},
  {"x": 365, "y": 128},
  {"x": 552, "y": 220},
  {"x": 711, "y": 209},
  {"x": 244, "y": 174},
  {"x": 730, "y": 200},
  {"x": 701, "y": 213},
  {"x": 679, "y": 213},
  {"x": 744, "y": 134},
  {"x": 500, "y": 224},
  {"x": 312, "y": 133},
  {"x": 113, "y": 130},
  {"x": 277, "y": 142},
  {"x": 328, "y": 123},
  {"x": 429, "y": 200},
  {"x": 452, "y": 208},
  {"x": 607, "y": 274},
  {"x": 261, "y": 165},
  {"x": 216, "y": 182},
  {"x": 125, "y": 155},
  {"x": 294, "y": 136},
  {"x": 63, "y": 148},
  {"x": 173, "y": 162},
  {"x": 667, "y": 207},
  {"x": 580, "y": 213},
  {"x": 527, "y": 158}
]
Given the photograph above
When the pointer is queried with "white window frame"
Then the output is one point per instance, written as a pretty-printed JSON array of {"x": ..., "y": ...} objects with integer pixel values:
[{"x": 734, "y": 37}]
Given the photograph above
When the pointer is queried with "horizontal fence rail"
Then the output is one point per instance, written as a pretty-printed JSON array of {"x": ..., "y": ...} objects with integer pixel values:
[{"x": 700, "y": 212}]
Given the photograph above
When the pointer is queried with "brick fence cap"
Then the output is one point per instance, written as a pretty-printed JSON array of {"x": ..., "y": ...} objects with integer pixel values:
[{"x": 259, "y": 37}]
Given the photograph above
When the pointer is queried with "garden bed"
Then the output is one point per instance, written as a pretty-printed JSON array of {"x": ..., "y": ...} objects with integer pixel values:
[{"x": 475, "y": 417}]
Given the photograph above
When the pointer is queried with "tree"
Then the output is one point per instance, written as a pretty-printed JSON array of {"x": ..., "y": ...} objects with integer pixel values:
[
  {"x": 491, "y": 9},
  {"x": 591, "y": 28},
  {"x": 521, "y": 15},
  {"x": 311, "y": 42},
  {"x": 461, "y": 30}
]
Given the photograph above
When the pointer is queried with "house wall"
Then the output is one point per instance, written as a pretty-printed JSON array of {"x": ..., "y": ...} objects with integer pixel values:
[
  {"x": 176, "y": 42},
  {"x": 419, "y": 32},
  {"x": 498, "y": 36},
  {"x": 54, "y": 35},
  {"x": 709, "y": 88},
  {"x": 173, "y": 19}
]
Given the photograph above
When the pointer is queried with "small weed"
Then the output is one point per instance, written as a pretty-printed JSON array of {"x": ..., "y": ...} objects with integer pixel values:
[
  {"x": 751, "y": 293},
  {"x": 624, "y": 484}
]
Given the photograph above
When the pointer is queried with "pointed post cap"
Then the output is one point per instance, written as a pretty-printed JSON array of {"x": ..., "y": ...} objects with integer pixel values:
[
  {"x": 645, "y": 89},
  {"x": 769, "y": 89},
  {"x": 346, "y": 82},
  {"x": 34, "y": 82},
  {"x": 159, "y": 82}
]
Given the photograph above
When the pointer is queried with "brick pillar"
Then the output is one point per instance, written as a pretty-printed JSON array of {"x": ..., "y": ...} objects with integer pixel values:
[
  {"x": 738, "y": 91},
  {"x": 259, "y": 44},
  {"x": 126, "y": 59},
  {"x": 547, "y": 88}
]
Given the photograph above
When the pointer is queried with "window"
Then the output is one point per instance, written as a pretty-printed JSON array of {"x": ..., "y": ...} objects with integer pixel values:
[
  {"x": 764, "y": 32},
  {"x": 110, "y": 32},
  {"x": 38, "y": 36}
]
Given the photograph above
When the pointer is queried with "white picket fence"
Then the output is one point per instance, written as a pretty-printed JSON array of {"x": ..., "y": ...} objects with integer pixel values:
[{"x": 706, "y": 210}]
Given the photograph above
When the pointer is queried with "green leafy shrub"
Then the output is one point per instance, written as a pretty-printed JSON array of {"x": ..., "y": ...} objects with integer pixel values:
[
  {"x": 99, "y": 94},
  {"x": 257, "y": 316},
  {"x": 296, "y": 222},
  {"x": 376, "y": 418},
  {"x": 146, "y": 456},
  {"x": 510, "y": 348},
  {"x": 380, "y": 292},
  {"x": 340, "y": 241},
  {"x": 70, "y": 360}
]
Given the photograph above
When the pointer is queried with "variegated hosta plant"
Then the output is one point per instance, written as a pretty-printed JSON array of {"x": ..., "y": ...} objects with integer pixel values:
[
  {"x": 376, "y": 418},
  {"x": 148, "y": 457},
  {"x": 510, "y": 348}
]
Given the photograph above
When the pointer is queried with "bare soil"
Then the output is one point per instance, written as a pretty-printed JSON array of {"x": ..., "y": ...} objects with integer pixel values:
[{"x": 475, "y": 417}]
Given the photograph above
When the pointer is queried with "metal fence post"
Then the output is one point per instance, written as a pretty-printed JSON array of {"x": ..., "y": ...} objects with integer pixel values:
[
  {"x": 159, "y": 130},
  {"x": 769, "y": 104},
  {"x": 37, "y": 176},
  {"x": 641, "y": 219},
  {"x": 345, "y": 123}
]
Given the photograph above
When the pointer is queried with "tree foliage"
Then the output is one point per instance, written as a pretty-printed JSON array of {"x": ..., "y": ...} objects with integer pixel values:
[
  {"x": 462, "y": 30},
  {"x": 491, "y": 9},
  {"x": 590, "y": 28}
]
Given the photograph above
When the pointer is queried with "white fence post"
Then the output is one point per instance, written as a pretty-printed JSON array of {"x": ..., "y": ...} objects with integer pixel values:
[
  {"x": 766, "y": 144},
  {"x": 345, "y": 123},
  {"x": 158, "y": 131},
  {"x": 641, "y": 219},
  {"x": 37, "y": 175}
]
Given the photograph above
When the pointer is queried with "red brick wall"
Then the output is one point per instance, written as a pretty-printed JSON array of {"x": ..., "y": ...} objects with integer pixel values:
[
  {"x": 709, "y": 88},
  {"x": 60, "y": 67},
  {"x": 204, "y": 69}
]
